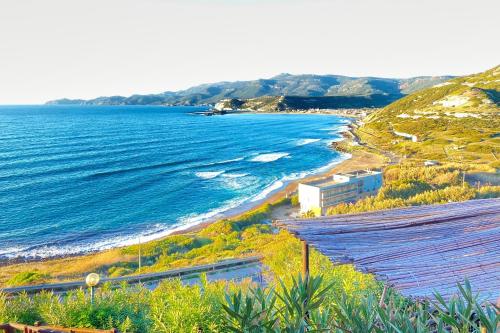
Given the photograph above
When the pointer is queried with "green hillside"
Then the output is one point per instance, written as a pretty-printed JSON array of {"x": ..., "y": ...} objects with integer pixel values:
[
  {"x": 307, "y": 85},
  {"x": 456, "y": 121},
  {"x": 288, "y": 103}
]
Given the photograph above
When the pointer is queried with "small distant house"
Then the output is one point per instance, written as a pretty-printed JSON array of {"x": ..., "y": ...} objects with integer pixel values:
[
  {"x": 431, "y": 163},
  {"x": 317, "y": 196},
  {"x": 412, "y": 137}
]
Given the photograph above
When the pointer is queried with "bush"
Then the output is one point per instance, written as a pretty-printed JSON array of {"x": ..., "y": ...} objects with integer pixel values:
[
  {"x": 29, "y": 277},
  {"x": 125, "y": 308}
]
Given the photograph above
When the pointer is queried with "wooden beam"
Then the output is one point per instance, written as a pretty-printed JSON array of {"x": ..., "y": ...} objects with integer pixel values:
[{"x": 305, "y": 260}]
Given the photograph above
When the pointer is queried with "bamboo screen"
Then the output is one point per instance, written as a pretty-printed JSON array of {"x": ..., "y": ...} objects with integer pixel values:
[{"x": 418, "y": 250}]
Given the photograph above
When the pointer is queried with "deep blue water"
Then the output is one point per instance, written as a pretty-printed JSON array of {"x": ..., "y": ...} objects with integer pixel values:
[{"x": 79, "y": 178}]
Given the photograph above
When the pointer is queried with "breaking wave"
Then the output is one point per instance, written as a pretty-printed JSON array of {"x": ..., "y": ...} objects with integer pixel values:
[
  {"x": 265, "y": 158},
  {"x": 304, "y": 142},
  {"x": 208, "y": 174}
]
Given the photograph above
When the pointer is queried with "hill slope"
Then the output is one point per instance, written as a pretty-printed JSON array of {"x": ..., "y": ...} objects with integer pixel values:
[
  {"x": 283, "y": 84},
  {"x": 288, "y": 103},
  {"x": 457, "y": 120}
]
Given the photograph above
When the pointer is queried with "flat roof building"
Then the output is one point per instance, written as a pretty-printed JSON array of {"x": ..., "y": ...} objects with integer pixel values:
[{"x": 318, "y": 195}]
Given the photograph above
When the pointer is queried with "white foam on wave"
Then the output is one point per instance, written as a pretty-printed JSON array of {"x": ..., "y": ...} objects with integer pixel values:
[
  {"x": 268, "y": 190},
  {"x": 208, "y": 174},
  {"x": 265, "y": 158},
  {"x": 236, "y": 181},
  {"x": 344, "y": 126},
  {"x": 234, "y": 175},
  {"x": 303, "y": 142},
  {"x": 50, "y": 251},
  {"x": 294, "y": 176},
  {"x": 339, "y": 139},
  {"x": 341, "y": 129},
  {"x": 231, "y": 160},
  {"x": 225, "y": 161},
  {"x": 8, "y": 251},
  {"x": 195, "y": 219},
  {"x": 156, "y": 231}
]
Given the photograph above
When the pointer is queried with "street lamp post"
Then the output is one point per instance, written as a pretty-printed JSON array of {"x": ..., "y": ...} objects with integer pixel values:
[{"x": 92, "y": 280}]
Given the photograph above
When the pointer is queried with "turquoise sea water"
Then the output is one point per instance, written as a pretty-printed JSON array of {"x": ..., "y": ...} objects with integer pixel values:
[{"x": 83, "y": 178}]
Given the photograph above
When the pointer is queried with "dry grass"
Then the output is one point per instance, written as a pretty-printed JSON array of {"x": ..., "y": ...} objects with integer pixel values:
[{"x": 70, "y": 268}]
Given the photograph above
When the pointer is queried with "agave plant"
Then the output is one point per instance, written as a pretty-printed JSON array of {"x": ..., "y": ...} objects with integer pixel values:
[
  {"x": 400, "y": 317},
  {"x": 300, "y": 301},
  {"x": 466, "y": 313},
  {"x": 294, "y": 309},
  {"x": 356, "y": 317},
  {"x": 251, "y": 313},
  {"x": 459, "y": 312}
]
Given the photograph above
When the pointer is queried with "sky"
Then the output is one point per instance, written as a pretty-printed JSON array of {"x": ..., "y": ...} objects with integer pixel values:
[{"x": 52, "y": 49}]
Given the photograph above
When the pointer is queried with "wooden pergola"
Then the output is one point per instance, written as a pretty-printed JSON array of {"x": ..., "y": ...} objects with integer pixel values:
[{"x": 417, "y": 250}]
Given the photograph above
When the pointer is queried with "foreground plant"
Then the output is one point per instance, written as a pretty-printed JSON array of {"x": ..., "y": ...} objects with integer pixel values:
[
  {"x": 296, "y": 308},
  {"x": 303, "y": 307},
  {"x": 466, "y": 312},
  {"x": 294, "y": 305}
]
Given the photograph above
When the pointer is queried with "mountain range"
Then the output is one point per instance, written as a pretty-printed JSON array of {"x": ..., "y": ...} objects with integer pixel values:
[{"x": 365, "y": 91}]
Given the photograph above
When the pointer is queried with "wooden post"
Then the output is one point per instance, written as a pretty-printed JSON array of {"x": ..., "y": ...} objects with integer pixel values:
[
  {"x": 305, "y": 260},
  {"x": 140, "y": 255}
]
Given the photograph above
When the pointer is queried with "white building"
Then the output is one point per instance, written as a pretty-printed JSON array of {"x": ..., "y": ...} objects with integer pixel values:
[{"x": 317, "y": 196}]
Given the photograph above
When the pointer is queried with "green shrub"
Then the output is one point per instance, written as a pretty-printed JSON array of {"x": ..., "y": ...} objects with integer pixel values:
[{"x": 29, "y": 277}]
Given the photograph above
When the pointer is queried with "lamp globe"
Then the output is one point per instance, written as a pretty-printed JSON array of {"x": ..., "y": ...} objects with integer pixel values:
[{"x": 92, "y": 279}]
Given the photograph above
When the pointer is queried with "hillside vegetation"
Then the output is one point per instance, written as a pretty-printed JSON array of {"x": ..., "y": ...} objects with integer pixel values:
[
  {"x": 409, "y": 184},
  {"x": 454, "y": 121},
  {"x": 284, "y": 84},
  {"x": 293, "y": 103}
]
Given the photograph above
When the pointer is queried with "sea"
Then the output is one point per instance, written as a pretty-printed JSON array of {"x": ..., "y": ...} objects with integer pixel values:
[{"x": 75, "y": 179}]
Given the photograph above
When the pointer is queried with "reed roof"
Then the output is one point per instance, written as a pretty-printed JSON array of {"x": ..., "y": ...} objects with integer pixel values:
[{"x": 418, "y": 250}]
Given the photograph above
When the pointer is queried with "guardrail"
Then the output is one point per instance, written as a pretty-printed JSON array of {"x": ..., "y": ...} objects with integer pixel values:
[{"x": 174, "y": 273}]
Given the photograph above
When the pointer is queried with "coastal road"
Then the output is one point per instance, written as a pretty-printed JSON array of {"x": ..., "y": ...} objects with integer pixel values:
[{"x": 231, "y": 269}]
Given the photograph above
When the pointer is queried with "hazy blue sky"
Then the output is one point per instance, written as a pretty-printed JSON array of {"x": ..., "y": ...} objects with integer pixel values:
[{"x": 87, "y": 48}]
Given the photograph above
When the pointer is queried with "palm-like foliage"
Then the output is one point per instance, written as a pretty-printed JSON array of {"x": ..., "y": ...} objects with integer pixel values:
[
  {"x": 293, "y": 309},
  {"x": 465, "y": 312},
  {"x": 303, "y": 307}
]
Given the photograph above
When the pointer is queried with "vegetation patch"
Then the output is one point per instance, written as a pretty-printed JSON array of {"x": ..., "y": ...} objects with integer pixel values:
[{"x": 28, "y": 277}]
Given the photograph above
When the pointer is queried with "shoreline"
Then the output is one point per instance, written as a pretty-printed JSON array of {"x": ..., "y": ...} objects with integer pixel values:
[
  {"x": 345, "y": 163},
  {"x": 232, "y": 213},
  {"x": 287, "y": 188},
  {"x": 353, "y": 114}
]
